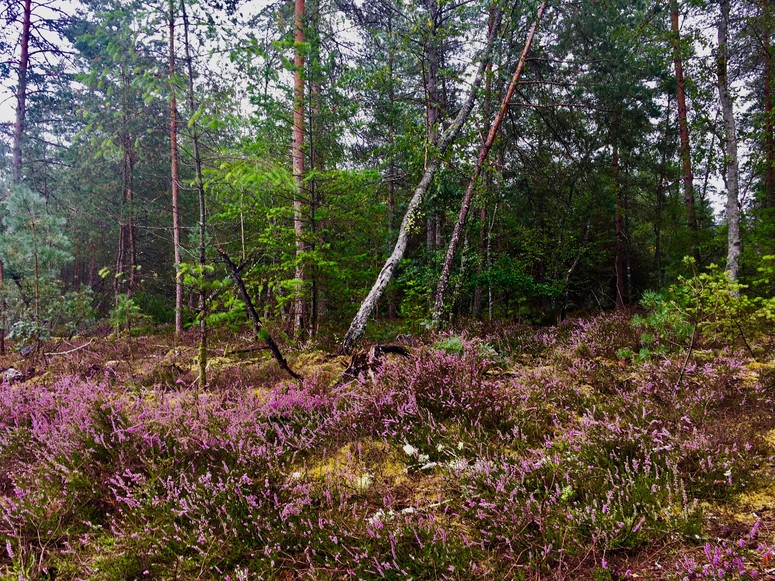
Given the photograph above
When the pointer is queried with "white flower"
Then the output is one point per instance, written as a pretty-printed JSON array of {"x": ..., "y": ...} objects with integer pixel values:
[
  {"x": 381, "y": 516},
  {"x": 296, "y": 474},
  {"x": 457, "y": 464},
  {"x": 440, "y": 448},
  {"x": 410, "y": 450},
  {"x": 363, "y": 481},
  {"x": 423, "y": 458},
  {"x": 460, "y": 445},
  {"x": 408, "y": 510}
]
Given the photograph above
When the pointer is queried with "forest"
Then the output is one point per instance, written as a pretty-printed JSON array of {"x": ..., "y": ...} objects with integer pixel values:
[{"x": 354, "y": 289}]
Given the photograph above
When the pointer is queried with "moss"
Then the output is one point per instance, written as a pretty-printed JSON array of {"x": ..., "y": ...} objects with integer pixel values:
[
  {"x": 326, "y": 367},
  {"x": 359, "y": 464}
]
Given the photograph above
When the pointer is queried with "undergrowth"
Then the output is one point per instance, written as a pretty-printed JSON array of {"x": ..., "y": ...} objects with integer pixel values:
[{"x": 521, "y": 454}]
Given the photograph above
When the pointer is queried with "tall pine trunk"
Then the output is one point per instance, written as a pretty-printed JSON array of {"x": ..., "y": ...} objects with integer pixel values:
[
  {"x": 683, "y": 131},
  {"x": 358, "y": 324},
  {"x": 317, "y": 306},
  {"x": 619, "y": 245},
  {"x": 769, "y": 107},
  {"x": 21, "y": 92},
  {"x": 175, "y": 177},
  {"x": 297, "y": 153},
  {"x": 441, "y": 288},
  {"x": 734, "y": 243}
]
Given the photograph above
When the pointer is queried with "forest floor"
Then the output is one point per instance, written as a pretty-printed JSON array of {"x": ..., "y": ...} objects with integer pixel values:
[{"x": 506, "y": 452}]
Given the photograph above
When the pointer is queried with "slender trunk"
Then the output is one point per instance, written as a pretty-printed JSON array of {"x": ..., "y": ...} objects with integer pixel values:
[
  {"x": 358, "y": 324},
  {"x": 619, "y": 265},
  {"x": 433, "y": 104},
  {"x": 769, "y": 109},
  {"x": 36, "y": 269},
  {"x": 200, "y": 188},
  {"x": 476, "y": 306},
  {"x": 683, "y": 130},
  {"x": 175, "y": 178},
  {"x": 300, "y": 307},
  {"x": 734, "y": 243},
  {"x": 18, "y": 129},
  {"x": 391, "y": 170},
  {"x": 483, "y": 153},
  {"x": 128, "y": 248},
  {"x": 261, "y": 334},
  {"x": 21, "y": 92},
  {"x": 315, "y": 157},
  {"x": 488, "y": 261}
]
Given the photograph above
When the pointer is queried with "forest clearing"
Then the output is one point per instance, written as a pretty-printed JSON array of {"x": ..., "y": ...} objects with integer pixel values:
[{"x": 364, "y": 289}]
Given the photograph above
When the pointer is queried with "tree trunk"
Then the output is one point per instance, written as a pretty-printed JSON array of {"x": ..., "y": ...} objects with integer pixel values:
[
  {"x": 734, "y": 243},
  {"x": 316, "y": 306},
  {"x": 358, "y": 324},
  {"x": 21, "y": 92},
  {"x": 297, "y": 153},
  {"x": 476, "y": 305},
  {"x": 200, "y": 188},
  {"x": 483, "y": 153},
  {"x": 619, "y": 265},
  {"x": 769, "y": 108},
  {"x": 433, "y": 103},
  {"x": 175, "y": 178},
  {"x": 683, "y": 131}
]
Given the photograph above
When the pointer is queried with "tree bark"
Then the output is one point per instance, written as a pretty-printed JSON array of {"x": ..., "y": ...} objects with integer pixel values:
[
  {"x": 769, "y": 108},
  {"x": 175, "y": 177},
  {"x": 317, "y": 306},
  {"x": 358, "y": 324},
  {"x": 297, "y": 153},
  {"x": 433, "y": 98},
  {"x": 683, "y": 131},
  {"x": 21, "y": 93},
  {"x": 619, "y": 262},
  {"x": 734, "y": 243},
  {"x": 483, "y": 153},
  {"x": 200, "y": 188}
]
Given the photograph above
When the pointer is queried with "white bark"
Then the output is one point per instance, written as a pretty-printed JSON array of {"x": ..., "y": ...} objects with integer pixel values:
[
  {"x": 734, "y": 243},
  {"x": 358, "y": 325}
]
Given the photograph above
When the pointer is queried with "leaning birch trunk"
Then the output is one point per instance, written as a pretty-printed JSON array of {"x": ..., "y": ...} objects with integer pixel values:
[
  {"x": 730, "y": 146},
  {"x": 358, "y": 325},
  {"x": 441, "y": 289}
]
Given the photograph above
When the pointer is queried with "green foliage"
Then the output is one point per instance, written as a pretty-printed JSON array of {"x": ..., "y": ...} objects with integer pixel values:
[
  {"x": 33, "y": 247},
  {"x": 706, "y": 306},
  {"x": 26, "y": 332},
  {"x": 415, "y": 284},
  {"x": 126, "y": 315},
  {"x": 766, "y": 282},
  {"x": 75, "y": 313},
  {"x": 451, "y": 345},
  {"x": 712, "y": 302},
  {"x": 159, "y": 308}
]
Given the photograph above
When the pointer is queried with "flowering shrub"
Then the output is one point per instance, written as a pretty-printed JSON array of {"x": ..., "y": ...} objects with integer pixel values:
[{"x": 450, "y": 463}]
